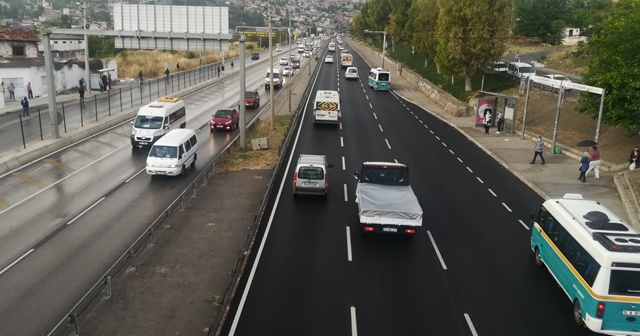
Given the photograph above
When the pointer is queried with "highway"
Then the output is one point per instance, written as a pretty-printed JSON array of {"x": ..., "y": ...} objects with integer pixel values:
[
  {"x": 468, "y": 271},
  {"x": 68, "y": 217}
]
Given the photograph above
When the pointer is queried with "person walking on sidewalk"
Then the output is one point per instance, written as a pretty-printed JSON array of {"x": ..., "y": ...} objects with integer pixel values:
[
  {"x": 633, "y": 158},
  {"x": 2, "y": 84},
  {"x": 166, "y": 75},
  {"x": 500, "y": 122},
  {"x": 29, "y": 91},
  {"x": 218, "y": 70},
  {"x": 81, "y": 92},
  {"x": 25, "y": 107},
  {"x": 594, "y": 162},
  {"x": 231, "y": 65},
  {"x": 584, "y": 166},
  {"x": 12, "y": 92},
  {"x": 140, "y": 77},
  {"x": 222, "y": 69},
  {"x": 538, "y": 149}
]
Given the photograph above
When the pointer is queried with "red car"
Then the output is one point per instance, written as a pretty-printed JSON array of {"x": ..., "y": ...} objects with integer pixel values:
[
  {"x": 224, "y": 120},
  {"x": 251, "y": 98}
]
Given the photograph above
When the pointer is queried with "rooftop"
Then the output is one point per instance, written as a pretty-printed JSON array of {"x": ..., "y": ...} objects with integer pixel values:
[{"x": 9, "y": 34}]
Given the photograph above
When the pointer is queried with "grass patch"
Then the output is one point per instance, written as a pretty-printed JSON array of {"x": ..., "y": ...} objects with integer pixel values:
[
  {"x": 492, "y": 82},
  {"x": 266, "y": 158},
  {"x": 566, "y": 59}
]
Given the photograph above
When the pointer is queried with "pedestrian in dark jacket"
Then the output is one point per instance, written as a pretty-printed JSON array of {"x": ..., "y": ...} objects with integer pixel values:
[
  {"x": 584, "y": 166},
  {"x": 25, "y": 107},
  {"x": 633, "y": 158}
]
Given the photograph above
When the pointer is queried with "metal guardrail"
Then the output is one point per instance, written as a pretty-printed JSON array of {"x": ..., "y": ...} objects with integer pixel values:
[
  {"x": 243, "y": 260},
  {"x": 71, "y": 321}
]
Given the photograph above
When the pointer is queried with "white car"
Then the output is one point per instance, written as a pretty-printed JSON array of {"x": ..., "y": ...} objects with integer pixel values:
[
  {"x": 351, "y": 73},
  {"x": 328, "y": 59},
  {"x": 278, "y": 49},
  {"x": 284, "y": 61},
  {"x": 306, "y": 54},
  {"x": 556, "y": 77},
  {"x": 286, "y": 71}
]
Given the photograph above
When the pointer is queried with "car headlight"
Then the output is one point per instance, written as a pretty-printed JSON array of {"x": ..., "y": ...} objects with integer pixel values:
[
  {"x": 173, "y": 166},
  {"x": 134, "y": 132},
  {"x": 149, "y": 165},
  {"x": 228, "y": 122}
]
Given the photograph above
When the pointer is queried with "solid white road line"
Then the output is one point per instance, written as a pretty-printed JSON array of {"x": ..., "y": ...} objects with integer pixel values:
[
  {"x": 354, "y": 325},
  {"x": 344, "y": 166},
  {"x": 252, "y": 274},
  {"x": 371, "y": 106},
  {"x": 380, "y": 128},
  {"x": 492, "y": 193},
  {"x": 523, "y": 224},
  {"x": 349, "y": 244},
  {"x": 469, "y": 169},
  {"x": 388, "y": 145},
  {"x": 134, "y": 176},
  {"x": 471, "y": 327},
  {"x": 341, "y": 142},
  {"x": 435, "y": 247},
  {"x": 85, "y": 211},
  {"x": 480, "y": 180},
  {"x": 16, "y": 261},
  {"x": 375, "y": 116},
  {"x": 509, "y": 209},
  {"x": 346, "y": 195}
]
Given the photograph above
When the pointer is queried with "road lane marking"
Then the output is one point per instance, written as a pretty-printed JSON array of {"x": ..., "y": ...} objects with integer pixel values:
[
  {"x": 341, "y": 142},
  {"x": 425, "y": 126},
  {"x": 375, "y": 116},
  {"x": 365, "y": 92},
  {"x": 507, "y": 207},
  {"x": 396, "y": 160},
  {"x": 523, "y": 224},
  {"x": 346, "y": 195},
  {"x": 348, "y": 244},
  {"x": 366, "y": 97},
  {"x": 444, "y": 144},
  {"x": 16, "y": 261},
  {"x": 354, "y": 325},
  {"x": 84, "y": 153},
  {"x": 344, "y": 166},
  {"x": 388, "y": 145},
  {"x": 408, "y": 109},
  {"x": 431, "y": 131},
  {"x": 361, "y": 84},
  {"x": 104, "y": 143},
  {"x": 29, "y": 180},
  {"x": 86, "y": 210},
  {"x": 340, "y": 125},
  {"x": 480, "y": 180},
  {"x": 380, "y": 128},
  {"x": 124, "y": 135},
  {"x": 134, "y": 175},
  {"x": 60, "y": 165},
  {"x": 469, "y": 169},
  {"x": 435, "y": 247},
  {"x": 450, "y": 151},
  {"x": 437, "y": 137},
  {"x": 422, "y": 122},
  {"x": 471, "y": 327},
  {"x": 371, "y": 106},
  {"x": 4, "y": 204},
  {"x": 492, "y": 193},
  {"x": 254, "y": 267}
]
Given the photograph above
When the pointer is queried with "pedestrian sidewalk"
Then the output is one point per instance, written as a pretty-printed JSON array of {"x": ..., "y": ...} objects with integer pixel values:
[{"x": 554, "y": 179}]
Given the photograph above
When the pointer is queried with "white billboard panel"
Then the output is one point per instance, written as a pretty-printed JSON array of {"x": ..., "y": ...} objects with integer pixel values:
[
  {"x": 171, "y": 44},
  {"x": 175, "y": 19}
]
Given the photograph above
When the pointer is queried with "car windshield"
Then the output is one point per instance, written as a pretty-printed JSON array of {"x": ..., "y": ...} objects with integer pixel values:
[
  {"x": 311, "y": 173},
  {"x": 387, "y": 176},
  {"x": 560, "y": 78},
  {"x": 150, "y": 122},
  {"x": 250, "y": 94},
  {"x": 499, "y": 65},
  {"x": 167, "y": 152},
  {"x": 223, "y": 114},
  {"x": 624, "y": 282},
  {"x": 526, "y": 70}
]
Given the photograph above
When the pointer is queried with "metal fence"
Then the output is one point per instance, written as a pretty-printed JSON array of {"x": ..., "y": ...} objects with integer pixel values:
[
  {"x": 75, "y": 114},
  {"x": 71, "y": 321}
]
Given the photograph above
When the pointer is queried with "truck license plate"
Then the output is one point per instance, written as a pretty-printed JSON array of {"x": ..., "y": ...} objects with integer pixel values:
[
  {"x": 390, "y": 229},
  {"x": 631, "y": 312},
  {"x": 144, "y": 143}
]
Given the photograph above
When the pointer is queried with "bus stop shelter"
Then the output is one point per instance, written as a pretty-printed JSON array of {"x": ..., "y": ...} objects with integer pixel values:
[{"x": 498, "y": 102}]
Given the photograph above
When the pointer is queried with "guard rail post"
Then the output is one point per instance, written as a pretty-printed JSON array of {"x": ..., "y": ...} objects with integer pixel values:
[
  {"x": 95, "y": 103},
  {"x": 120, "y": 100},
  {"x": 107, "y": 282},
  {"x": 40, "y": 123},
  {"x": 24, "y": 144},
  {"x": 109, "y": 100},
  {"x": 64, "y": 118}
]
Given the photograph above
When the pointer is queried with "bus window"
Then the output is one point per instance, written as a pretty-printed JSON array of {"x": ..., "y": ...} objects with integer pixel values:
[
  {"x": 624, "y": 282},
  {"x": 383, "y": 77}
]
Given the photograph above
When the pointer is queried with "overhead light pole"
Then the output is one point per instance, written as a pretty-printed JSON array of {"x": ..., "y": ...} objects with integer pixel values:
[
  {"x": 384, "y": 41},
  {"x": 271, "y": 108},
  {"x": 289, "y": 56},
  {"x": 87, "y": 79}
]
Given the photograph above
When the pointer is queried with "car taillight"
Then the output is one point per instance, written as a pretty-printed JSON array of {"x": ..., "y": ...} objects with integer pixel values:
[
  {"x": 409, "y": 231},
  {"x": 369, "y": 229},
  {"x": 295, "y": 179},
  {"x": 326, "y": 182},
  {"x": 600, "y": 310}
]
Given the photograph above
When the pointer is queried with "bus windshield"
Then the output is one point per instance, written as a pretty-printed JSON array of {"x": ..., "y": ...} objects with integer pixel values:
[
  {"x": 167, "y": 152},
  {"x": 150, "y": 122},
  {"x": 383, "y": 77}
]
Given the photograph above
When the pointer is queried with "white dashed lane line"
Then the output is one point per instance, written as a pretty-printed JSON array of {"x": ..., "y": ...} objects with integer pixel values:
[
  {"x": 450, "y": 151},
  {"x": 375, "y": 116},
  {"x": 16, "y": 261},
  {"x": 396, "y": 160},
  {"x": 523, "y": 224},
  {"x": 469, "y": 169},
  {"x": 459, "y": 159},
  {"x": 366, "y": 97},
  {"x": 480, "y": 180},
  {"x": 340, "y": 125},
  {"x": 349, "y": 244},
  {"x": 492, "y": 193},
  {"x": 380, "y": 128},
  {"x": 388, "y": 145},
  {"x": 444, "y": 144},
  {"x": 422, "y": 122},
  {"x": 471, "y": 327},
  {"x": 341, "y": 142},
  {"x": 437, "y": 138},
  {"x": 435, "y": 247},
  {"x": 431, "y": 131},
  {"x": 507, "y": 207},
  {"x": 371, "y": 106},
  {"x": 344, "y": 166},
  {"x": 346, "y": 196},
  {"x": 354, "y": 325}
]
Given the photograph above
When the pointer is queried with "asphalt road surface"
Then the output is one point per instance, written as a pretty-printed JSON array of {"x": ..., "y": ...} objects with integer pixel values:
[
  {"x": 468, "y": 271},
  {"x": 67, "y": 218}
]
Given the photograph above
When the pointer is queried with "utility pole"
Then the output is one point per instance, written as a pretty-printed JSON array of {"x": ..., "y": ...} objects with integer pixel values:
[
  {"x": 87, "y": 79},
  {"x": 243, "y": 109},
  {"x": 51, "y": 85},
  {"x": 271, "y": 107},
  {"x": 289, "y": 56}
]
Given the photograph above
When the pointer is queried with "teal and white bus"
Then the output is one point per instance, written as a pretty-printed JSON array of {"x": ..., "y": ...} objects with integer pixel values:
[
  {"x": 595, "y": 258},
  {"x": 379, "y": 79}
]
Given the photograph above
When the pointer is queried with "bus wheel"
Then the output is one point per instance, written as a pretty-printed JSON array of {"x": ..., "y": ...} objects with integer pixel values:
[
  {"x": 537, "y": 256},
  {"x": 577, "y": 313}
]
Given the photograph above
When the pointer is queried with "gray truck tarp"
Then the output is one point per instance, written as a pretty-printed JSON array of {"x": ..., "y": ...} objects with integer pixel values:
[{"x": 388, "y": 204}]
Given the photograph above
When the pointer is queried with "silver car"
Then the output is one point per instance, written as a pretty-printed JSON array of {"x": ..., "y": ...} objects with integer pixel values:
[{"x": 311, "y": 176}]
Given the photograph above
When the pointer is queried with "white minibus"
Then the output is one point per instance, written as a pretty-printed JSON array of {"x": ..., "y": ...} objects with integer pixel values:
[
  {"x": 156, "y": 119},
  {"x": 172, "y": 154}
]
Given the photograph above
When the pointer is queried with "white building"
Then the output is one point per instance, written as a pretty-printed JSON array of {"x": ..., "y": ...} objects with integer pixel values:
[{"x": 572, "y": 36}]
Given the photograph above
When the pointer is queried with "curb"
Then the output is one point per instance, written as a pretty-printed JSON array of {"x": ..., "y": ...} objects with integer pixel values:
[{"x": 628, "y": 197}]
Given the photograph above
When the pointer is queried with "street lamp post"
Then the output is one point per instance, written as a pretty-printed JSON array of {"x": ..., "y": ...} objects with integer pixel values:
[
  {"x": 384, "y": 41},
  {"x": 271, "y": 107},
  {"x": 289, "y": 57}
]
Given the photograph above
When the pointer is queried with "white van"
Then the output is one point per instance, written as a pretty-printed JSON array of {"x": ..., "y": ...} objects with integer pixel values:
[
  {"x": 172, "y": 154},
  {"x": 326, "y": 107},
  {"x": 277, "y": 78},
  {"x": 521, "y": 70},
  {"x": 156, "y": 119}
]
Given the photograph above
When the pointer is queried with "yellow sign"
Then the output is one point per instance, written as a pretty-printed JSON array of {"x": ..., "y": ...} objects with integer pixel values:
[{"x": 327, "y": 106}]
